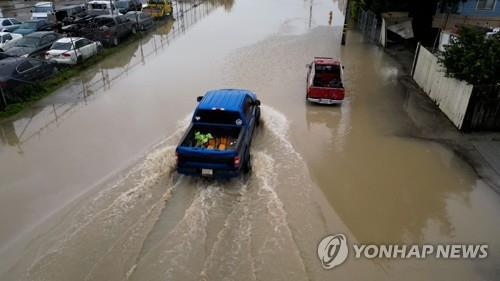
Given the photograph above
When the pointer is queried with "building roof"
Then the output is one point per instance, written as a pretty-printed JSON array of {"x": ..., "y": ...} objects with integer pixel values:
[{"x": 224, "y": 99}]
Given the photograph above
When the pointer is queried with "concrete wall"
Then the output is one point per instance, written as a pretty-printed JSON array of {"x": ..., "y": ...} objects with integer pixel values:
[{"x": 451, "y": 95}]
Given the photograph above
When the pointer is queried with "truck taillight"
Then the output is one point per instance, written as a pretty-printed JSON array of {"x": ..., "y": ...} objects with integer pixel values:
[{"x": 236, "y": 161}]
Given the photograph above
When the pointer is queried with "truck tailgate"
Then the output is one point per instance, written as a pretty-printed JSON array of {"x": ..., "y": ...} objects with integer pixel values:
[{"x": 326, "y": 93}]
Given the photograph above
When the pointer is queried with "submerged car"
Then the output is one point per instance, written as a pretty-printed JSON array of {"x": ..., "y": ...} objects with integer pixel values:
[
  {"x": 34, "y": 44},
  {"x": 31, "y": 26},
  {"x": 217, "y": 143},
  {"x": 7, "y": 40},
  {"x": 324, "y": 81},
  {"x": 15, "y": 71},
  {"x": 143, "y": 20},
  {"x": 72, "y": 50}
]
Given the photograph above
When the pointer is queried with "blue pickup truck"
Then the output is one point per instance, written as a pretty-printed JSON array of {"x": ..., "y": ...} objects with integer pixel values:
[{"x": 217, "y": 143}]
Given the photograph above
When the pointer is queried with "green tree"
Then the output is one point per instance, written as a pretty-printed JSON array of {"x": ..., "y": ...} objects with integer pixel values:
[{"x": 473, "y": 57}]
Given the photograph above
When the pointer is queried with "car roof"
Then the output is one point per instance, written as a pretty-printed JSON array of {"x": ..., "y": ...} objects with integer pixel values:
[
  {"x": 37, "y": 20},
  {"x": 43, "y": 3},
  {"x": 106, "y": 16},
  {"x": 69, "y": 39},
  {"x": 226, "y": 99},
  {"x": 326, "y": 61},
  {"x": 39, "y": 33},
  {"x": 5, "y": 33}
]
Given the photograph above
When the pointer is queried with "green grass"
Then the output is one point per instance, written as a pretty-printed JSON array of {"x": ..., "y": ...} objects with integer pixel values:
[{"x": 47, "y": 87}]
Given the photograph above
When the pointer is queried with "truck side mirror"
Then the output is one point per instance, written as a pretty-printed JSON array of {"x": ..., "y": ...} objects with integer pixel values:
[
  {"x": 257, "y": 102},
  {"x": 198, "y": 99}
]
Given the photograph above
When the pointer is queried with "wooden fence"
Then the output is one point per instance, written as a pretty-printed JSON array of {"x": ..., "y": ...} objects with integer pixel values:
[{"x": 451, "y": 95}]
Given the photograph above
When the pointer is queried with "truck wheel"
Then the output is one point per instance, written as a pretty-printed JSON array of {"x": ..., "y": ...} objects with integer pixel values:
[
  {"x": 247, "y": 166},
  {"x": 257, "y": 120}
]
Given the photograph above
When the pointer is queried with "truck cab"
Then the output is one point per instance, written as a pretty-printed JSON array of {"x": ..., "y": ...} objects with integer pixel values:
[
  {"x": 217, "y": 142},
  {"x": 102, "y": 7},
  {"x": 158, "y": 8},
  {"x": 41, "y": 10}
]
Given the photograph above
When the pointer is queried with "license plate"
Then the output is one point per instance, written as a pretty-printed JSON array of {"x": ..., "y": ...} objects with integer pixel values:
[{"x": 207, "y": 172}]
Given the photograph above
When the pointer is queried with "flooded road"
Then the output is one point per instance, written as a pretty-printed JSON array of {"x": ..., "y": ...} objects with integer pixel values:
[{"x": 88, "y": 189}]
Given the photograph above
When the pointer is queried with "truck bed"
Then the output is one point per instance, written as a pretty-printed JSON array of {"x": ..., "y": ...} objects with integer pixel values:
[{"x": 224, "y": 138}]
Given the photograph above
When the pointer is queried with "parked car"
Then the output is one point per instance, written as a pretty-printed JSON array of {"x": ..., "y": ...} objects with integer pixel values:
[
  {"x": 41, "y": 10},
  {"x": 15, "y": 71},
  {"x": 101, "y": 7},
  {"x": 31, "y": 26},
  {"x": 9, "y": 24},
  {"x": 217, "y": 143},
  {"x": 7, "y": 40},
  {"x": 34, "y": 44},
  {"x": 109, "y": 30},
  {"x": 324, "y": 81},
  {"x": 125, "y": 6},
  {"x": 72, "y": 50},
  {"x": 158, "y": 8},
  {"x": 143, "y": 20}
]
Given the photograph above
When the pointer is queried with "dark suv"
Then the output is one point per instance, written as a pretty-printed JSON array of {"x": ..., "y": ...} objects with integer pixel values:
[{"x": 109, "y": 30}]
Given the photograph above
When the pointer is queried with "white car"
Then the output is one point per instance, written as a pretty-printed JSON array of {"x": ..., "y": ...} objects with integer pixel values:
[
  {"x": 9, "y": 24},
  {"x": 72, "y": 50},
  {"x": 7, "y": 40}
]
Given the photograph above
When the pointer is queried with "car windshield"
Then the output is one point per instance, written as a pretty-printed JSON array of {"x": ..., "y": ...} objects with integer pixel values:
[
  {"x": 28, "y": 25},
  {"x": 122, "y": 4},
  {"x": 61, "y": 46},
  {"x": 42, "y": 9},
  {"x": 27, "y": 42},
  {"x": 96, "y": 6}
]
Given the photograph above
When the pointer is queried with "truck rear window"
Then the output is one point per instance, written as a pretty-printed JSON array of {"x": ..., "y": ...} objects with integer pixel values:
[{"x": 218, "y": 117}]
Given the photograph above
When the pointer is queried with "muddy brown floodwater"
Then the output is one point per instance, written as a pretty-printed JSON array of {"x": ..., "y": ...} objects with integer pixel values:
[{"x": 88, "y": 189}]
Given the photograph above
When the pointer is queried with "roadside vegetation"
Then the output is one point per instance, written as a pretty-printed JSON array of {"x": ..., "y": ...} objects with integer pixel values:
[{"x": 473, "y": 57}]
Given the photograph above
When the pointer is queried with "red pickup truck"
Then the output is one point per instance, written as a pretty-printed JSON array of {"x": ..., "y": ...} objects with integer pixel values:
[{"x": 324, "y": 81}]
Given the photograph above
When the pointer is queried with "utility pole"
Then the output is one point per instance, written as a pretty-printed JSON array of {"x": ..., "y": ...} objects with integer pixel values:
[{"x": 344, "y": 28}]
